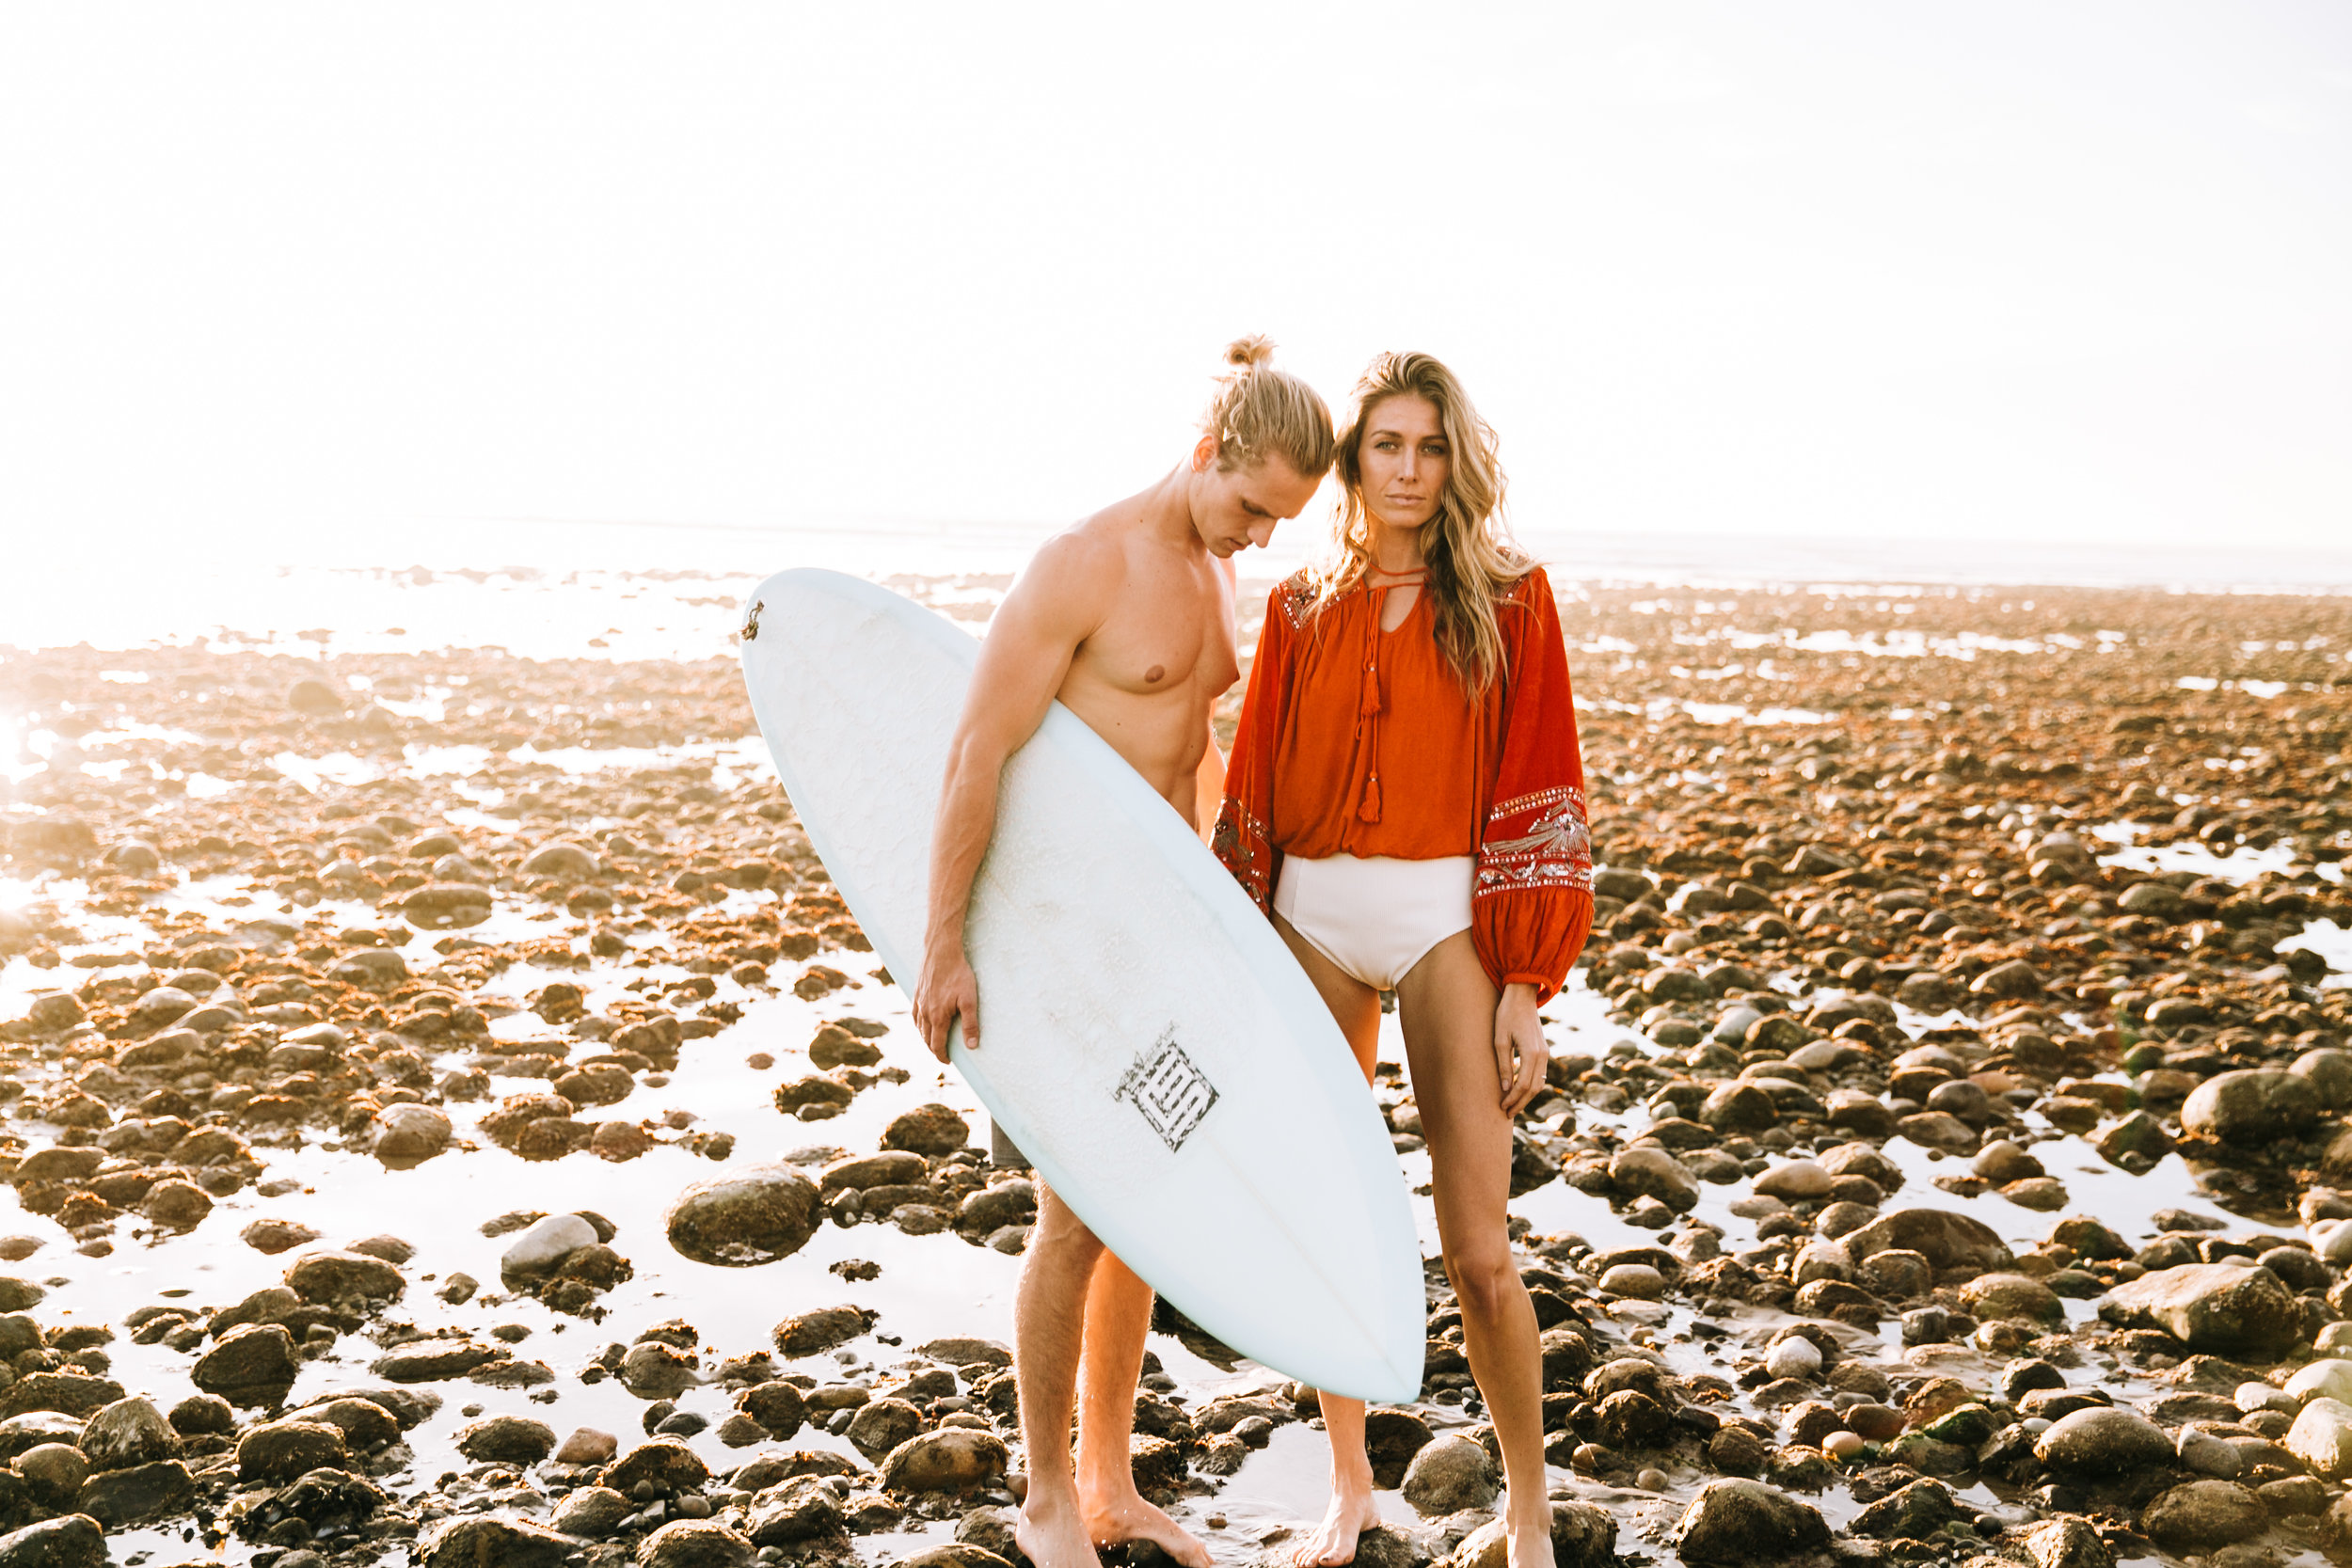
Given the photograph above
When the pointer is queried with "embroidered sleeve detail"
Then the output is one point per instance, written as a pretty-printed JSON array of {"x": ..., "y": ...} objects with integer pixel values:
[
  {"x": 1240, "y": 844},
  {"x": 1535, "y": 841}
]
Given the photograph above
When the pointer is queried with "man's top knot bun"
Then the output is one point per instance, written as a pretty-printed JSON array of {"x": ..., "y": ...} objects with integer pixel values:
[
  {"x": 1260, "y": 411},
  {"x": 1250, "y": 353}
]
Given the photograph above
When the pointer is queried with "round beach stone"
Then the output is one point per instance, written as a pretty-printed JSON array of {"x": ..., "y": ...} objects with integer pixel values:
[
  {"x": 2330, "y": 1377},
  {"x": 1796, "y": 1182},
  {"x": 126, "y": 1432},
  {"x": 365, "y": 1424},
  {"x": 799, "y": 1509},
  {"x": 1646, "y": 1171},
  {"x": 407, "y": 1132},
  {"x": 880, "y": 1425},
  {"x": 2208, "y": 1455},
  {"x": 951, "y": 1459},
  {"x": 281, "y": 1450},
  {"x": 1449, "y": 1474},
  {"x": 592, "y": 1513},
  {"x": 2011, "y": 1295},
  {"x": 1638, "y": 1282},
  {"x": 821, "y": 1329},
  {"x": 932, "y": 1129},
  {"x": 507, "y": 1440},
  {"x": 566, "y": 863},
  {"x": 695, "y": 1543},
  {"x": 76, "y": 1541},
  {"x": 2330, "y": 1073},
  {"x": 1795, "y": 1356},
  {"x": 1944, "y": 1239},
  {"x": 666, "y": 1462},
  {"x": 251, "y": 1364},
  {"x": 2106, "y": 1440},
  {"x": 746, "y": 1217},
  {"x": 1746, "y": 1521},
  {"x": 338, "y": 1278},
  {"x": 2321, "y": 1436},
  {"x": 654, "y": 1371},
  {"x": 2222, "y": 1308},
  {"x": 53, "y": 1472},
  {"x": 2202, "y": 1514},
  {"x": 2250, "y": 1107},
  {"x": 163, "y": 1004},
  {"x": 176, "y": 1205},
  {"x": 543, "y": 1246}
]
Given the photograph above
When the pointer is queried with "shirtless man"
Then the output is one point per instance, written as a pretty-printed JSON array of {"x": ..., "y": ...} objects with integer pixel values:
[{"x": 1127, "y": 619}]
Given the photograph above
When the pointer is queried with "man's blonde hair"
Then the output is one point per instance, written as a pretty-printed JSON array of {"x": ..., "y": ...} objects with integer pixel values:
[{"x": 1258, "y": 411}]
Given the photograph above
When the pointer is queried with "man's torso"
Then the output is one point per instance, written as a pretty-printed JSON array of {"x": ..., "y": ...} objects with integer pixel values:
[{"x": 1161, "y": 654}]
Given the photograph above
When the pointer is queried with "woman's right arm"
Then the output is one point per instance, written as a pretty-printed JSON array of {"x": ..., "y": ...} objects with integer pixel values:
[{"x": 1240, "y": 837}]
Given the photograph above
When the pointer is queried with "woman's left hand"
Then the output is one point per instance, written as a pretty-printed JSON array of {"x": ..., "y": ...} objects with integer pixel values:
[{"x": 1520, "y": 1054}]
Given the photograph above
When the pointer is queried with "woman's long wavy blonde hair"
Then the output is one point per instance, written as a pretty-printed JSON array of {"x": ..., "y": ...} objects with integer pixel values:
[{"x": 1471, "y": 559}]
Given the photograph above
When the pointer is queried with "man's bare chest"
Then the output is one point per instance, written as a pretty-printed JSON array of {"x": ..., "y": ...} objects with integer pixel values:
[{"x": 1164, "y": 637}]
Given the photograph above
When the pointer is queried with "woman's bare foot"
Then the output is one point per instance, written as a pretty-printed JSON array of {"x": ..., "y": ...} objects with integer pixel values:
[
  {"x": 1127, "y": 1518},
  {"x": 1351, "y": 1513},
  {"x": 1054, "y": 1536},
  {"x": 1531, "y": 1535}
]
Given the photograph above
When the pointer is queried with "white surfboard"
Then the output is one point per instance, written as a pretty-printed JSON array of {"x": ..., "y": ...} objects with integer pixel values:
[{"x": 1150, "y": 1043}]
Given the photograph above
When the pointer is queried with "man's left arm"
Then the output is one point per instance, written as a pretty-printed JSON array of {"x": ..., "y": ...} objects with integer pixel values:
[
  {"x": 1208, "y": 782},
  {"x": 1208, "y": 786}
]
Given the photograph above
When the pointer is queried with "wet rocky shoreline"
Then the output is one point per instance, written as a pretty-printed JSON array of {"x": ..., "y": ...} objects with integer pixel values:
[{"x": 450, "y": 1112}]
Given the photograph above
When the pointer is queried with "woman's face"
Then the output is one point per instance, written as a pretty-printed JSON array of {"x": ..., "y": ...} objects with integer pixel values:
[{"x": 1405, "y": 461}]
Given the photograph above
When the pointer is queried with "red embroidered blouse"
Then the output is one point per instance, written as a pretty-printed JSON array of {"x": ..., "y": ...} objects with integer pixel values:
[{"x": 1355, "y": 741}]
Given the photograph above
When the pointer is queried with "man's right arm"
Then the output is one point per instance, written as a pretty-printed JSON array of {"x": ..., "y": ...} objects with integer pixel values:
[{"x": 1031, "y": 640}]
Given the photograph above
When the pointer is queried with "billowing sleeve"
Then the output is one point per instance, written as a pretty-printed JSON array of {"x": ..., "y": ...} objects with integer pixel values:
[
  {"x": 1533, "y": 906},
  {"x": 1240, "y": 837}
]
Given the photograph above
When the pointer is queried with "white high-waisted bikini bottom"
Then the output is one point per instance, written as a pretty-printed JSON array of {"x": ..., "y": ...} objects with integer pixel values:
[{"x": 1374, "y": 918}]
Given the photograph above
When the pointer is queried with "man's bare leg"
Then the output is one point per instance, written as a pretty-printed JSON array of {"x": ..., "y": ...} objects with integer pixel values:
[
  {"x": 1049, "y": 1318},
  {"x": 1118, "y": 1316},
  {"x": 1355, "y": 1008}
]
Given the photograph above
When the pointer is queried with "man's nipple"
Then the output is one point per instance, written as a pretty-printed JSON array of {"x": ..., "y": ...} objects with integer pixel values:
[{"x": 1153, "y": 673}]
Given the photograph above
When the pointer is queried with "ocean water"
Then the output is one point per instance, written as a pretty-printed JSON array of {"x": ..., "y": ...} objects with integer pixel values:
[{"x": 623, "y": 590}]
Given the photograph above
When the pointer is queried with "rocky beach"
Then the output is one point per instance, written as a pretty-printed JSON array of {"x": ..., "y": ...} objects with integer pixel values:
[{"x": 451, "y": 1116}]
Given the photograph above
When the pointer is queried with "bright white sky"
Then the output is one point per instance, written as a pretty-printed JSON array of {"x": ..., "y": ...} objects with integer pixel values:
[{"x": 1992, "y": 270}]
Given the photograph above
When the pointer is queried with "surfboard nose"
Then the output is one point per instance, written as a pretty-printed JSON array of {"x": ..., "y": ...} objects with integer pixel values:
[
  {"x": 1404, "y": 1368},
  {"x": 1379, "y": 1374},
  {"x": 1379, "y": 1367}
]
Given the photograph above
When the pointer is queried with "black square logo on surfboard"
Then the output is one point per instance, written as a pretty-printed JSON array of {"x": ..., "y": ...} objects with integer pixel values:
[{"x": 1172, "y": 1093}]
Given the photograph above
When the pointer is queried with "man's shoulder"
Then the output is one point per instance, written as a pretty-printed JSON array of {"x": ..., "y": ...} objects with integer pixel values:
[
  {"x": 1081, "y": 558},
  {"x": 1064, "y": 591}
]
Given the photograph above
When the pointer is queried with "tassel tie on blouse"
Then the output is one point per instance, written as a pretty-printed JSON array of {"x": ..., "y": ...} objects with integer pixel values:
[{"x": 1368, "y": 701}]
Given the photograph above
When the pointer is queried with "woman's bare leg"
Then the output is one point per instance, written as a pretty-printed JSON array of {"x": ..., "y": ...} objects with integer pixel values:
[
  {"x": 1447, "y": 1006},
  {"x": 1355, "y": 1008}
]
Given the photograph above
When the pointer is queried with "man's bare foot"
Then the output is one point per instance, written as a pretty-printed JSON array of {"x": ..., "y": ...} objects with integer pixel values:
[
  {"x": 1531, "y": 1537},
  {"x": 1128, "y": 1517},
  {"x": 1055, "y": 1536},
  {"x": 1351, "y": 1513}
]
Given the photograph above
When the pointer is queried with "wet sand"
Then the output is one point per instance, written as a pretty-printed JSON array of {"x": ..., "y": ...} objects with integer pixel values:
[{"x": 1937, "y": 900}]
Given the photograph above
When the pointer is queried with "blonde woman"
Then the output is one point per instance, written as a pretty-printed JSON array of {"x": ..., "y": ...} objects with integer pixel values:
[{"x": 1405, "y": 801}]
